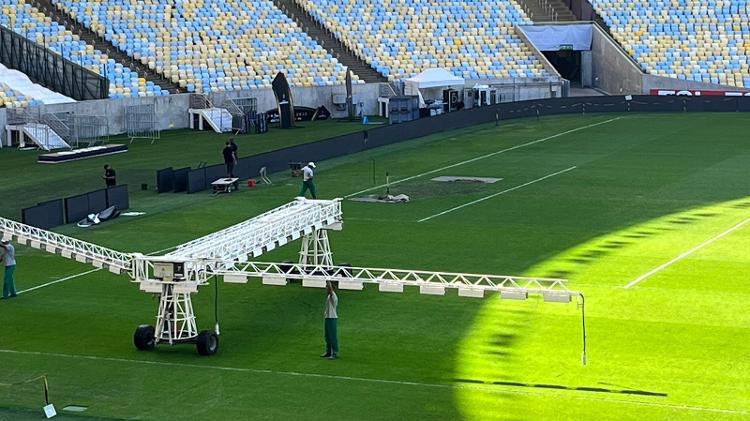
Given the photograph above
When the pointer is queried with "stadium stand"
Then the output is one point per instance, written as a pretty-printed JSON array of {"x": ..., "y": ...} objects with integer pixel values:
[
  {"x": 10, "y": 98},
  {"x": 34, "y": 25},
  {"x": 18, "y": 91},
  {"x": 706, "y": 41},
  {"x": 210, "y": 46},
  {"x": 472, "y": 39}
]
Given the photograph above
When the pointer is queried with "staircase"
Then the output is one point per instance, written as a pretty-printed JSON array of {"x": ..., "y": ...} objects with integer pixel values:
[
  {"x": 328, "y": 40},
  {"x": 91, "y": 38},
  {"x": 218, "y": 118},
  {"x": 44, "y": 137},
  {"x": 540, "y": 11}
]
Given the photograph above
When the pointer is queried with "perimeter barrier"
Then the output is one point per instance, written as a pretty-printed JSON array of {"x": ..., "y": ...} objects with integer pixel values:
[{"x": 196, "y": 180}]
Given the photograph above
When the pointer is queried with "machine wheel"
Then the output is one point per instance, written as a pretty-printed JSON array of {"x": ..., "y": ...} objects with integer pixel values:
[
  {"x": 143, "y": 338},
  {"x": 208, "y": 342}
]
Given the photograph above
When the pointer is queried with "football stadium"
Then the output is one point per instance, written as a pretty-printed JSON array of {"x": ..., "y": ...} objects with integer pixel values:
[{"x": 375, "y": 210}]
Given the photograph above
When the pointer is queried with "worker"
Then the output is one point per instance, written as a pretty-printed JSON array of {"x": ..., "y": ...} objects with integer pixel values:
[
  {"x": 110, "y": 177},
  {"x": 307, "y": 180},
  {"x": 331, "y": 318},
  {"x": 229, "y": 159},
  {"x": 8, "y": 256},
  {"x": 234, "y": 150}
]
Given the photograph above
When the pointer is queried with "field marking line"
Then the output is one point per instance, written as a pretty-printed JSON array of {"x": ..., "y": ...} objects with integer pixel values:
[
  {"x": 474, "y": 202},
  {"x": 685, "y": 254},
  {"x": 491, "y": 154},
  {"x": 67, "y": 278},
  {"x": 483, "y": 387}
]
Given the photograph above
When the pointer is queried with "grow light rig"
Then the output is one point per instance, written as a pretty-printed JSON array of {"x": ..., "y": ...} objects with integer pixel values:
[{"x": 230, "y": 254}]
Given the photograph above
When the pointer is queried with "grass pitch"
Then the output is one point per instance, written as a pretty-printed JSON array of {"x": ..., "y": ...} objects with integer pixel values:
[{"x": 646, "y": 190}]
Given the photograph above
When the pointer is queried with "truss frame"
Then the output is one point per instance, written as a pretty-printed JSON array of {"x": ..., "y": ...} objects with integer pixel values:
[{"x": 68, "y": 247}]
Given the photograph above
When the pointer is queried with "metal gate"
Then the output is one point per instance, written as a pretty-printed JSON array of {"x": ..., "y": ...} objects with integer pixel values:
[{"x": 141, "y": 122}]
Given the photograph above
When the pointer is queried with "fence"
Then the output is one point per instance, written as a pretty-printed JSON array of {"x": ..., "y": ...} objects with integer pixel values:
[
  {"x": 72, "y": 209},
  {"x": 141, "y": 122},
  {"x": 195, "y": 180}
]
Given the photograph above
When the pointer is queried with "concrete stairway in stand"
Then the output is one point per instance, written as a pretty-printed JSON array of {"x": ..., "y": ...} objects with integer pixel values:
[
  {"x": 329, "y": 41},
  {"x": 547, "y": 10}
]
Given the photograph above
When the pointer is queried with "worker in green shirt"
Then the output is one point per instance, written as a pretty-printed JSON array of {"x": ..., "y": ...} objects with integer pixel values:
[
  {"x": 307, "y": 180},
  {"x": 8, "y": 256},
  {"x": 331, "y": 318}
]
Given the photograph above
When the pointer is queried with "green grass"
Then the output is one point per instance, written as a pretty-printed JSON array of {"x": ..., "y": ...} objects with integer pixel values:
[
  {"x": 646, "y": 189},
  {"x": 33, "y": 183}
]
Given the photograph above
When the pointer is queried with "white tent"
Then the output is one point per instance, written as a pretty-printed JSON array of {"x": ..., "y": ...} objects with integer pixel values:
[{"x": 431, "y": 79}]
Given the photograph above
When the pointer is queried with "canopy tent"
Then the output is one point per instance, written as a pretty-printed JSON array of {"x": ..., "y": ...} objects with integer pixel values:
[
  {"x": 434, "y": 78},
  {"x": 431, "y": 78}
]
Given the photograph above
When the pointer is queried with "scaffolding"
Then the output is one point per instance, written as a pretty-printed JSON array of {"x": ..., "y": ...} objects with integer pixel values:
[{"x": 141, "y": 122}]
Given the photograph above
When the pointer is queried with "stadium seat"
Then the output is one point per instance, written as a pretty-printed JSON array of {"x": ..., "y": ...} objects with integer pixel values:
[
  {"x": 400, "y": 39},
  {"x": 210, "y": 46},
  {"x": 35, "y": 26},
  {"x": 699, "y": 41}
]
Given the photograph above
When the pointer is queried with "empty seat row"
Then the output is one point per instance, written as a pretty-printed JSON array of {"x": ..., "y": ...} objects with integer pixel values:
[
  {"x": 209, "y": 46},
  {"x": 399, "y": 38},
  {"x": 690, "y": 40}
]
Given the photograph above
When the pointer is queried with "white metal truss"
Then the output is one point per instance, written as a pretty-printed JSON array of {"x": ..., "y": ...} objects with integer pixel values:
[
  {"x": 316, "y": 250},
  {"x": 394, "y": 280},
  {"x": 264, "y": 233},
  {"x": 68, "y": 247}
]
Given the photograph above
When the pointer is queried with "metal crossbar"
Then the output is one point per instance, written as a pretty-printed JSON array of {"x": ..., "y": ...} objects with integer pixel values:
[
  {"x": 65, "y": 246},
  {"x": 394, "y": 280},
  {"x": 351, "y": 276},
  {"x": 263, "y": 233}
]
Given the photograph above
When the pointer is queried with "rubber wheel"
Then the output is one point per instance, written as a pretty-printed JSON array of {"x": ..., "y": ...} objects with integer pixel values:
[
  {"x": 208, "y": 342},
  {"x": 143, "y": 338}
]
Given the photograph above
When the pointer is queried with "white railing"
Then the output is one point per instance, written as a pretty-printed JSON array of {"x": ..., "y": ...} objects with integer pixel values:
[
  {"x": 66, "y": 246},
  {"x": 263, "y": 233}
]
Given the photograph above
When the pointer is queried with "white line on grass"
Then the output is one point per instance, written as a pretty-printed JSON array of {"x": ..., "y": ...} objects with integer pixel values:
[
  {"x": 685, "y": 254},
  {"x": 468, "y": 161},
  {"x": 78, "y": 275},
  {"x": 490, "y": 388},
  {"x": 67, "y": 278},
  {"x": 474, "y": 202}
]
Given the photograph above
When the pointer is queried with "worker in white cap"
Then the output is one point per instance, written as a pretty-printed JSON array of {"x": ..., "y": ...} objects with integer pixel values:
[{"x": 307, "y": 180}]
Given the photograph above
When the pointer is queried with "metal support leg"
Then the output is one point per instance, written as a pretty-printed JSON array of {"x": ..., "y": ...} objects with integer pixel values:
[
  {"x": 316, "y": 250},
  {"x": 175, "y": 320}
]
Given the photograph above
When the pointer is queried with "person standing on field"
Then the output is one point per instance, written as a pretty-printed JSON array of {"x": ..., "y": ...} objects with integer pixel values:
[
  {"x": 331, "y": 320},
  {"x": 307, "y": 180},
  {"x": 229, "y": 159},
  {"x": 110, "y": 177},
  {"x": 8, "y": 256}
]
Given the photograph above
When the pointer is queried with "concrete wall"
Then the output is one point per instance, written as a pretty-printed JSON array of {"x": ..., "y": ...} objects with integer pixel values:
[
  {"x": 311, "y": 97},
  {"x": 172, "y": 110},
  {"x": 4, "y": 141},
  {"x": 613, "y": 70},
  {"x": 661, "y": 82}
]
